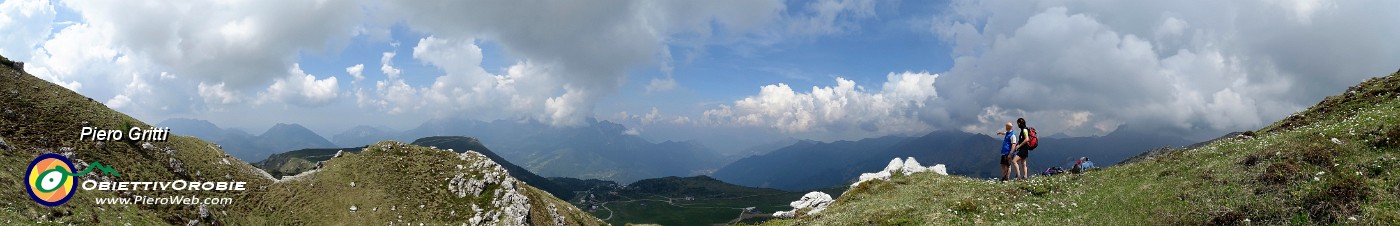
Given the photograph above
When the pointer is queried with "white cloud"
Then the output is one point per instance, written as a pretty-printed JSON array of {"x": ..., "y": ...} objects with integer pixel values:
[
  {"x": 843, "y": 108},
  {"x": 524, "y": 89},
  {"x": 591, "y": 46},
  {"x": 357, "y": 71},
  {"x": 301, "y": 89},
  {"x": 23, "y": 25},
  {"x": 242, "y": 44},
  {"x": 218, "y": 94},
  {"x": 582, "y": 51},
  {"x": 224, "y": 53},
  {"x": 1084, "y": 67},
  {"x": 661, "y": 85}
]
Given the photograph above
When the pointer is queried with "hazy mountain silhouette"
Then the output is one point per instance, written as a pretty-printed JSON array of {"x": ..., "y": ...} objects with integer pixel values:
[
  {"x": 595, "y": 150},
  {"x": 811, "y": 165},
  {"x": 247, "y": 147}
]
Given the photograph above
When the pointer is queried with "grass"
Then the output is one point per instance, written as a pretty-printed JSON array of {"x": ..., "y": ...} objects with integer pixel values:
[
  {"x": 701, "y": 211},
  {"x": 39, "y": 117},
  {"x": 1327, "y": 167},
  {"x": 663, "y": 201},
  {"x": 415, "y": 192}
]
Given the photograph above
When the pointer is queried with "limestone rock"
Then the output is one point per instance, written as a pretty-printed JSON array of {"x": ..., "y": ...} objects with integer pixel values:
[
  {"x": 907, "y": 167},
  {"x": 811, "y": 203}
]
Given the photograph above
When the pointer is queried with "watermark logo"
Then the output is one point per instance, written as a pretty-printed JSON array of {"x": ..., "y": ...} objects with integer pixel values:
[{"x": 50, "y": 178}]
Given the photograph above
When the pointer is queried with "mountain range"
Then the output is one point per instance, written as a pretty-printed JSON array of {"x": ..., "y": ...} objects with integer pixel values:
[
  {"x": 247, "y": 147},
  {"x": 811, "y": 165},
  {"x": 596, "y": 150}
]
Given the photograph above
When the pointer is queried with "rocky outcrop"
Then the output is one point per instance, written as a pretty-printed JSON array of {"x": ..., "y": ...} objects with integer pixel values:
[
  {"x": 815, "y": 202},
  {"x": 18, "y": 66},
  {"x": 811, "y": 203},
  {"x": 509, "y": 207},
  {"x": 906, "y": 167}
]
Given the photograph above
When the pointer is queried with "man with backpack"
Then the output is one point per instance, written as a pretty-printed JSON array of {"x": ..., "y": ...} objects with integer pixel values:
[{"x": 1027, "y": 141}]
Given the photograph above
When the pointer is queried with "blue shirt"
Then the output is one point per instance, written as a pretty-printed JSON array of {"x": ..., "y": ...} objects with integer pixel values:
[{"x": 1006, "y": 142}]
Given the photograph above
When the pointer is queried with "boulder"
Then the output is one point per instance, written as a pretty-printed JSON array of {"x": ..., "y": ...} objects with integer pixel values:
[
  {"x": 939, "y": 169},
  {"x": 912, "y": 166},
  {"x": 895, "y": 165},
  {"x": 18, "y": 66},
  {"x": 811, "y": 203}
]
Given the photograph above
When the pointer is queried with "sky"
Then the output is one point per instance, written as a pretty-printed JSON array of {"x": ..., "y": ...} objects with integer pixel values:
[{"x": 823, "y": 70}]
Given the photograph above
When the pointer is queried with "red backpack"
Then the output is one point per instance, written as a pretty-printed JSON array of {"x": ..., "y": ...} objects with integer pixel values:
[{"x": 1032, "y": 140}]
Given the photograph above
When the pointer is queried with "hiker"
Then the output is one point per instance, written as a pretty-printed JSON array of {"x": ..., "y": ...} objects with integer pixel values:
[
  {"x": 1008, "y": 142},
  {"x": 1082, "y": 165},
  {"x": 1025, "y": 142}
]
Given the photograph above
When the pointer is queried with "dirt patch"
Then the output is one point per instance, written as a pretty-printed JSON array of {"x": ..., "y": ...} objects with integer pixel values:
[
  {"x": 1384, "y": 136},
  {"x": 1251, "y": 159},
  {"x": 1340, "y": 199},
  {"x": 1318, "y": 153},
  {"x": 1227, "y": 217},
  {"x": 1279, "y": 173}
]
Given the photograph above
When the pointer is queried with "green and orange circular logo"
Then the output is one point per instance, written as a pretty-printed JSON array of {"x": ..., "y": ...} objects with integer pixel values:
[{"x": 50, "y": 179}]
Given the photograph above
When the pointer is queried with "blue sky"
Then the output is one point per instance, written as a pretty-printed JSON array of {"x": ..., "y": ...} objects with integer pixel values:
[{"x": 824, "y": 69}]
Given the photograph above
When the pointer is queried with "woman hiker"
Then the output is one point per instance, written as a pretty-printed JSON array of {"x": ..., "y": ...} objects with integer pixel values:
[{"x": 1022, "y": 151}]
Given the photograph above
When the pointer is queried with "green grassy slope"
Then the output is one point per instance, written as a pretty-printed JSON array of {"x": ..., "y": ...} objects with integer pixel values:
[
  {"x": 39, "y": 117},
  {"x": 294, "y": 162},
  {"x": 392, "y": 182},
  {"x": 1332, "y": 163}
]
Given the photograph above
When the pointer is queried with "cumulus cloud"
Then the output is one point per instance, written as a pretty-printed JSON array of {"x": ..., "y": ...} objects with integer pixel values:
[
  {"x": 300, "y": 88},
  {"x": 576, "y": 51},
  {"x": 524, "y": 89},
  {"x": 218, "y": 94},
  {"x": 23, "y": 25},
  {"x": 357, "y": 71},
  {"x": 894, "y": 108},
  {"x": 242, "y": 44},
  {"x": 215, "y": 55},
  {"x": 1083, "y": 68},
  {"x": 226, "y": 53}
]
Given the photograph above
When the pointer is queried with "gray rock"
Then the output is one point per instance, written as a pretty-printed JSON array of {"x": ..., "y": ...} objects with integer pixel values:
[
  {"x": 177, "y": 166},
  {"x": 812, "y": 203},
  {"x": 3, "y": 145},
  {"x": 203, "y": 211},
  {"x": 18, "y": 66}
]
